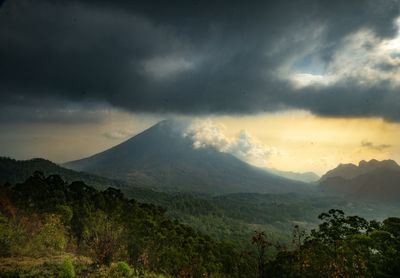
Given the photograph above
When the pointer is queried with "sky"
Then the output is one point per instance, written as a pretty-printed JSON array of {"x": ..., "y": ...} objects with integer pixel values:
[{"x": 293, "y": 85}]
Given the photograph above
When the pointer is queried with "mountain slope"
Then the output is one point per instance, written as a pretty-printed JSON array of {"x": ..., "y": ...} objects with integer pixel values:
[
  {"x": 373, "y": 181},
  {"x": 162, "y": 158},
  {"x": 304, "y": 177}
]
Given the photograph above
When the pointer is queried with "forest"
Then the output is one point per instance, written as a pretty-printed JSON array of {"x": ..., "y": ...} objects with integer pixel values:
[{"x": 52, "y": 228}]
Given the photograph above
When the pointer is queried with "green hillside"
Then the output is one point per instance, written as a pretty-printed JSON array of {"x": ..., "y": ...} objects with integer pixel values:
[{"x": 45, "y": 216}]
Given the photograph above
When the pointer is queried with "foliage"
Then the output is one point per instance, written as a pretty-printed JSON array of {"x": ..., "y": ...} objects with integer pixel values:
[
  {"x": 31, "y": 235},
  {"x": 121, "y": 269},
  {"x": 67, "y": 269},
  {"x": 343, "y": 246},
  {"x": 5, "y": 237},
  {"x": 107, "y": 227},
  {"x": 105, "y": 238},
  {"x": 234, "y": 217},
  {"x": 261, "y": 243},
  {"x": 50, "y": 237},
  {"x": 45, "y": 217}
]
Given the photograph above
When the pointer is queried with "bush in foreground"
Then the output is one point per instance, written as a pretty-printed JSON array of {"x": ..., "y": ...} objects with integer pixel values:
[{"x": 67, "y": 269}]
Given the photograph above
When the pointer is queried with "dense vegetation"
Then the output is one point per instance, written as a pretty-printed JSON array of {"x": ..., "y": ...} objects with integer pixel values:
[
  {"x": 44, "y": 215},
  {"x": 232, "y": 217},
  {"x": 71, "y": 229},
  {"x": 342, "y": 246}
]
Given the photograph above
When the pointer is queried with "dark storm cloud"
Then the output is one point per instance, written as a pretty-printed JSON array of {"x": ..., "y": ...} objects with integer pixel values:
[
  {"x": 186, "y": 56},
  {"x": 30, "y": 111}
]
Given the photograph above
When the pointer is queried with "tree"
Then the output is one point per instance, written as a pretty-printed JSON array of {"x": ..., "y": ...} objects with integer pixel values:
[
  {"x": 260, "y": 242},
  {"x": 105, "y": 238}
]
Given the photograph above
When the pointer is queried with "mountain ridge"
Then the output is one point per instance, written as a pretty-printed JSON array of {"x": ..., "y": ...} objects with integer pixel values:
[
  {"x": 373, "y": 181},
  {"x": 351, "y": 170}
]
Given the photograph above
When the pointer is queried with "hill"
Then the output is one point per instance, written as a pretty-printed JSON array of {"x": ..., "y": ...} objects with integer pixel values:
[
  {"x": 15, "y": 171},
  {"x": 372, "y": 181},
  {"x": 351, "y": 170},
  {"x": 162, "y": 158}
]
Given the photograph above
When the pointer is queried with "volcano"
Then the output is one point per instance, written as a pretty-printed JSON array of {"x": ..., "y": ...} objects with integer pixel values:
[{"x": 163, "y": 158}]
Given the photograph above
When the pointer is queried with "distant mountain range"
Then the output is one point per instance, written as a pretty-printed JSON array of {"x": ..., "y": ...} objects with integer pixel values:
[
  {"x": 163, "y": 159},
  {"x": 373, "y": 180},
  {"x": 350, "y": 170}
]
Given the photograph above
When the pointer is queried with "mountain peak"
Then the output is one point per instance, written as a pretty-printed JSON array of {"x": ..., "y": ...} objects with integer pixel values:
[
  {"x": 170, "y": 123},
  {"x": 372, "y": 162},
  {"x": 167, "y": 125}
]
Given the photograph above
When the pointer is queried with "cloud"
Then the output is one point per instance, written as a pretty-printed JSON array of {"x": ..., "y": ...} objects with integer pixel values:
[
  {"x": 362, "y": 59},
  {"x": 52, "y": 111},
  {"x": 206, "y": 133},
  {"x": 372, "y": 146},
  {"x": 333, "y": 58},
  {"x": 167, "y": 67},
  {"x": 119, "y": 134}
]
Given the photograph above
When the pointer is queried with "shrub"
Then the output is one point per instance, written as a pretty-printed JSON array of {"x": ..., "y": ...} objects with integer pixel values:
[
  {"x": 13, "y": 237},
  {"x": 121, "y": 269},
  {"x": 50, "y": 238},
  {"x": 67, "y": 269},
  {"x": 5, "y": 248},
  {"x": 65, "y": 213},
  {"x": 105, "y": 238}
]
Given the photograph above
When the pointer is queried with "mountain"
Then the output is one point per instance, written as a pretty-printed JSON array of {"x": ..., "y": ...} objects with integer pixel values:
[
  {"x": 350, "y": 170},
  {"x": 304, "y": 177},
  {"x": 373, "y": 181},
  {"x": 163, "y": 158}
]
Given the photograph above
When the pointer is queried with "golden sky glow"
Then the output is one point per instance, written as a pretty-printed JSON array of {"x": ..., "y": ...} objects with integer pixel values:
[
  {"x": 297, "y": 141},
  {"x": 305, "y": 142},
  {"x": 61, "y": 143}
]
